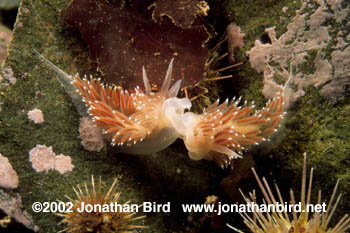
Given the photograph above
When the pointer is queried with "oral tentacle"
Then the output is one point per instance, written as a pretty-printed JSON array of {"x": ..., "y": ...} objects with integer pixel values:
[
  {"x": 224, "y": 131},
  {"x": 174, "y": 90},
  {"x": 136, "y": 121},
  {"x": 146, "y": 83},
  {"x": 167, "y": 80}
]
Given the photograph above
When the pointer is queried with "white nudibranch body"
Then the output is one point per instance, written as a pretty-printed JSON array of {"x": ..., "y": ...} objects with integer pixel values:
[
  {"x": 223, "y": 131},
  {"x": 137, "y": 122},
  {"x": 144, "y": 122}
]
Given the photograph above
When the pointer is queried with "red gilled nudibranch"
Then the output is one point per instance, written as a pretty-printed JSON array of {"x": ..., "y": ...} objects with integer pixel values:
[
  {"x": 138, "y": 121},
  {"x": 143, "y": 121},
  {"x": 223, "y": 131}
]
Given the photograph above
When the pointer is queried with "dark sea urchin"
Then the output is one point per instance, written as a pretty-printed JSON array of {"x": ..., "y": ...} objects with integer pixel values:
[
  {"x": 281, "y": 222},
  {"x": 98, "y": 221}
]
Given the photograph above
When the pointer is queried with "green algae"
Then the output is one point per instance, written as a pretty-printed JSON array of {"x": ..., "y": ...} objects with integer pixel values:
[
  {"x": 308, "y": 66},
  {"x": 254, "y": 16},
  {"x": 314, "y": 125},
  {"x": 253, "y": 22},
  {"x": 321, "y": 129},
  {"x": 39, "y": 27}
]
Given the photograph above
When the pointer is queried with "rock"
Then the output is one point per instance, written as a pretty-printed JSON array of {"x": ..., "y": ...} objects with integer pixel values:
[
  {"x": 91, "y": 136},
  {"x": 36, "y": 115},
  {"x": 8, "y": 176}
]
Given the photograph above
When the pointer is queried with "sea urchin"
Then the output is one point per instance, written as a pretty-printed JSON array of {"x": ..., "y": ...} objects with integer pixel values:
[
  {"x": 280, "y": 222},
  {"x": 100, "y": 222}
]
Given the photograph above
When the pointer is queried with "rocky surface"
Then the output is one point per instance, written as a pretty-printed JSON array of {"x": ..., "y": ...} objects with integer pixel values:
[{"x": 318, "y": 123}]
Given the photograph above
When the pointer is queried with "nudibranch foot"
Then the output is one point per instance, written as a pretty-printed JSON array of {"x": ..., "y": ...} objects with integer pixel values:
[{"x": 66, "y": 81}]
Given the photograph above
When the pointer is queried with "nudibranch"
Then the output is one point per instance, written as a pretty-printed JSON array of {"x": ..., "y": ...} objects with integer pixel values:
[
  {"x": 223, "y": 131},
  {"x": 144, "y": 122},
  {"x": 138, "y": 121}
]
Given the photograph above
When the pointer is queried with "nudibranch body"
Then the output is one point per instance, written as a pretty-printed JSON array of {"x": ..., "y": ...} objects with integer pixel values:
[
  {"x": 136, "y": 121},
  {"x": 144, "y": 122},
  {"x": 223, "y": 131}
]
